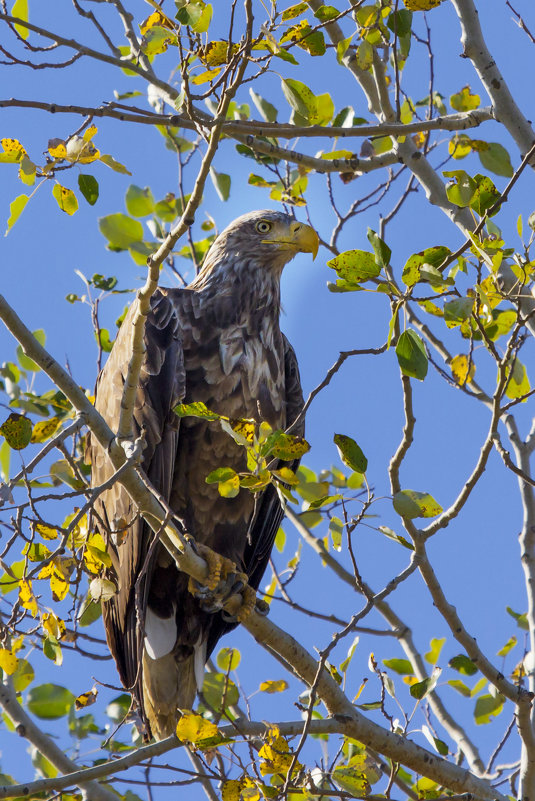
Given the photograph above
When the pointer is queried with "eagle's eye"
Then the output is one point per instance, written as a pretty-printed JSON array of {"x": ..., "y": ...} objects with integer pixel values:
[{"x": 263, "y": 226}]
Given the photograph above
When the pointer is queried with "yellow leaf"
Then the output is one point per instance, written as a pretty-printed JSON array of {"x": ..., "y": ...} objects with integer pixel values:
[
  {"x": 26, "y": 596},
  {"x": 156, "y": 18},
  {"x": 460, "y": 146},
  {"x": 461, "y": 370},
  {"x": 244, "y": 427},
  {"x": 102, "y": 589},
  {"x": 13, "y": 151},
  {"x": 66, "y": 199},
  {"x": 20, "y": 10},
  {"x": 45, "y": 429},
  {"x": 277, "y": 757},
  {"x": 193, "y": 728},
  {"x": 203, "y": 77},
  {"x": 89, "y": 133},
  {"x": 8, "y": 661},
  {"x": 15, "y": 210},
  {"x": 465, "y": 100}
]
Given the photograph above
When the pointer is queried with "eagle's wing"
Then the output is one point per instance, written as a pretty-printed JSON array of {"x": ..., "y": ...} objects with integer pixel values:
[
  {"x": 161, "y": 387},
  {"x": 268, "y": 513}
]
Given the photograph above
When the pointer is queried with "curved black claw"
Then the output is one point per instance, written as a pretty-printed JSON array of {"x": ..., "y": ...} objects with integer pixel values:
[{"x": 261, "y": 607}]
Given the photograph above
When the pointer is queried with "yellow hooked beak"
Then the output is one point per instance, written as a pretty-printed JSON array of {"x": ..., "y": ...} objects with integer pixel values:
[{"x": 297, "y": 236}]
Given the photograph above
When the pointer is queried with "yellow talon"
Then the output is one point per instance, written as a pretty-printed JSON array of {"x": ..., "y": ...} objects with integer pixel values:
[{"x": 248, "y": 604}]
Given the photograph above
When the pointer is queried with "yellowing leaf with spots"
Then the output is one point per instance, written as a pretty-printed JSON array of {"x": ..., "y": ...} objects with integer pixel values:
[
  {"x": 462, "y": 369},
  {"x": 288, "y": 447},
  {"x": 57, "y": 149},
  {"x": 86, "y": 699},
  {"x": 53, "y": 625},
  {"x": 421, "y": 5},
  {"x": 156, "y": 18},
  {"x": 13, "y": 151},
  {"x": 217, "y": 53},
  {"x": 270, "y": 687},
  {"x": 26, "y": 597},
  {"x": 17, "y": 431},
  {"x": 95, "y": 555},
  {"x": 59, "y": 586},
  {"x": 410, "y": 503},
  {"x": 27, "y": 171},
  {"x": 45, "y": 429},
  {"x": 8, "y": 661},
  {"x": 277, "y": 757},
  {"x": 66, "y": 199},
  {"x": 46, "y": 532},
  {"x": 246, "y": 428},
  {"x": 231, "y": 790},
  {"x": 193, "y": 728}
]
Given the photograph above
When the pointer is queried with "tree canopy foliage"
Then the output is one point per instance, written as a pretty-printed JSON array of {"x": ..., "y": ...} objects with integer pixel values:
[{"x": 383, "y": 670}]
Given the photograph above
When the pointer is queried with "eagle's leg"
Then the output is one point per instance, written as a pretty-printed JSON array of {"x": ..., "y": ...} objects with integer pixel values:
[{"x": 219, "y": 568}]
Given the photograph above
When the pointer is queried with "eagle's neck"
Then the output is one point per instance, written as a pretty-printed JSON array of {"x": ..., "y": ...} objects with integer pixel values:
[{"x": 241, "y": 285}]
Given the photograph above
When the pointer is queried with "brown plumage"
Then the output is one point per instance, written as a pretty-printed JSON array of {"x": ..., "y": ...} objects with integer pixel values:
[{"x": 216, "y": 341}]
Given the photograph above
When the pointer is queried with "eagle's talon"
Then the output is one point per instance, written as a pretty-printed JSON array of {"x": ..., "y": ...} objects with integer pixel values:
[{"x": 262, "y": 607}]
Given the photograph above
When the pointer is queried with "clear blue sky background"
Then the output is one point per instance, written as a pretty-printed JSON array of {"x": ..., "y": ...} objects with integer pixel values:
[{"x": 477, "y": 558}]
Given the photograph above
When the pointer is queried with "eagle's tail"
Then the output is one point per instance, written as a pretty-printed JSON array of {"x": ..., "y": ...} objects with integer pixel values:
[{"x": 168, "y": 686}]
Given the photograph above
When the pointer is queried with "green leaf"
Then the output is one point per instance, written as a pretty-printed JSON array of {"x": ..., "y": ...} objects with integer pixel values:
[
  {"x": 487, "y": 707},
  {"x": 139, "y": 202},
  {"x": 221, "y": 182},
  {"x": 412, "y": 357},
  {"x": 400, "y": 22},
  {"x": 414, "y": 268},
  {"x": 401, "y": 666},
  {"x": 17, "y": 431},
  {"x": 218, "y": 687},
  {"x": 15, "y": 210},
  {"x": 485, "y": 195},
  {"x": 350, "y": 453},
  {"x": 355, "y": 266},
  {"x": 380, "y": 248},
  {"x": 50, "y": 701},
  {"x": 461, "y": 190},
  {"x": 420, "y": 689},
  {"x": 463, "y": 664},
  {"x": 521, "y": 619},
  {"x": 110, "y": 162},
  {"x": 458, "y": 310},
  {"x": 326, "y": 13},
  {"x": 88, "y": 186},
  {"x": 120, "y": 230},
  {"x": 197, "y": 409},
  {"x": 266, "y": 109},
  {"x": 411, "y": 504},
  {"x": 25, "y": 362},
  {"x": 496, "y": 159}
]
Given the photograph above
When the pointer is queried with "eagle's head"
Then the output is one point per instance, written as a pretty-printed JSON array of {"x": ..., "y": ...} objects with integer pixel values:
[{"x": 263, "y": 239}]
